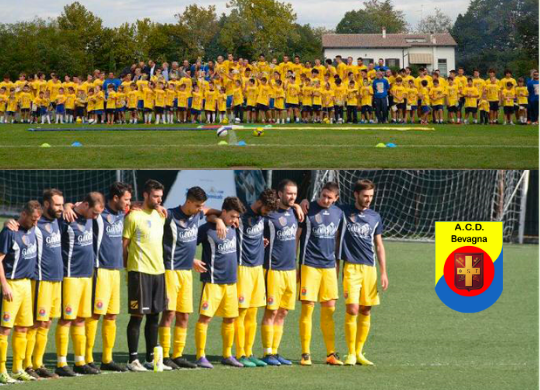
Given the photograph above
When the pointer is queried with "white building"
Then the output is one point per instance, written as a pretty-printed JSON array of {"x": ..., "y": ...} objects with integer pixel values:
[{"x": 434, "y": 51}]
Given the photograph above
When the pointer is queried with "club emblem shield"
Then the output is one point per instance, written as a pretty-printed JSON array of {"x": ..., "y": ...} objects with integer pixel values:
[{"x": 468, "y": 268}]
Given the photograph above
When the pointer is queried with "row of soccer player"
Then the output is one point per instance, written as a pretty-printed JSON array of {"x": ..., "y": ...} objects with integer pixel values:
[
  {"x": 307, "y": 99},
  {"x": 64, "y": 261}
]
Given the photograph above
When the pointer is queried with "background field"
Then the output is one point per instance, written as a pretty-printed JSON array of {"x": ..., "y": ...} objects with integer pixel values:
[
  {"x": 416, "y": 341},
  {"x": 448, "y": 147}
]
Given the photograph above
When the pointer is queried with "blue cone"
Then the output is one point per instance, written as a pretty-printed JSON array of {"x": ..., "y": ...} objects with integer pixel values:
[
  {"x": 241, "y": 143},
  {"x": 391, "y": 145},
  {"x": 76, "y": 143}
]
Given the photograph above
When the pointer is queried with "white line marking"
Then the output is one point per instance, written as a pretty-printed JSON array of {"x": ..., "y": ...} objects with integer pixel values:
[{"x": 275, "y": 146}]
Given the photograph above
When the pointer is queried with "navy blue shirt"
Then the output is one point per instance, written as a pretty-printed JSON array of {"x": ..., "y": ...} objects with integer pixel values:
[
  {"x": 20, "y": 248},
  {"x": 358, "y": 246},
  {"x": 251, "y": 239},
  {"x": 380, "y": 88},
  {"x": 532, "y": 87},
  {"x": 382, "y": 68},
  {"x": 319, "y": 233},
  {"x": 107, "y": 230},
  {"x": 49, "y": 265},
  {"x": 77, "y": 247},
  {"x": 180, "y": 239},
  {"x": 220, "y": 256},
  {"x": 280, "y": 229}
]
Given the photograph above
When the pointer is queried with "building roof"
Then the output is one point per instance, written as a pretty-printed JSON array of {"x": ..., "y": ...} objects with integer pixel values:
[{"x": 391, "y": 40}]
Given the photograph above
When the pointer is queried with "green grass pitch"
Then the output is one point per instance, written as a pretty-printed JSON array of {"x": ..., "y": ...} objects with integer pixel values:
[
  {"x": 415, "y": 340},
  {"x": 447, "y": 147}
]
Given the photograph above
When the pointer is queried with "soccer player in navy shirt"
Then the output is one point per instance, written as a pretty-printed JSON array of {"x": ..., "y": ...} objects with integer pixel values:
[
  {"x": 219, "y": 295},
  {"x": 18, "y": 252},
  {"x": 179, "y": 247},
  {"x": 319, "y": 269}
]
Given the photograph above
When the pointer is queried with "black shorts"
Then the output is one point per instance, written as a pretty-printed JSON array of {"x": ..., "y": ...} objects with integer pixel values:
[
  {"x": 523, "y": 106},
  {"x": 471, "y": 110},
  {"x": 146, "y": 293},
  {"x": 262, "y": 107},
  {"x": 366, "y": 109},
  {"x": 508, "y": 110},
  {"x": 461, "y": 103},
  {"x": 25, "y": 110},
  {"x": 110, "y": 111},
  {"x": 252, "y": 108},
  {"x": 316, "y": 108},
  {"x": 453, "y": 109},
  {"x": 159, "y": 110},
  {"x": 401, "y": 106},
  {"x": 493, "y": 106}
]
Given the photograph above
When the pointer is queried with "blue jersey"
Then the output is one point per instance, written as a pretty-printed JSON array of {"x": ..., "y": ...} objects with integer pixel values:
[
  {"x": 358, "y": 246},
  {"x": 77, "y": 247},
  {"x": 107, "y": 230},
  {"x": 220, "y": 256},
  {"x": 319, "y": 236},
  {"x": 180, "y": 239},
  {"x": 380, "y": 88},
  {"x": 280, "y": 229},
  {"x": 532, "y": 87},
  {"x": 251, "y": 239},
  {"x": 20, "y": 248},
  {"x": 49, "y": 266}
]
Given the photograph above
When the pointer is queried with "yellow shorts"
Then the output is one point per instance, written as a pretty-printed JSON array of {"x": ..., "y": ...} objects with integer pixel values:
[
  {"x": 219, "y": 300},
  {"x": 106, "y": 291},
  {"x": 360, "y": 284},
  {"x": 280, "y": 289},
  {"x": 18, "y": 312},
  {"x": 46, "y": 299},
  {"x": 318, "y": 284},
  {"x": 179, "y": 286},
  {"x": 76, "y": 298},
  {"x": 251, "y": 289}
]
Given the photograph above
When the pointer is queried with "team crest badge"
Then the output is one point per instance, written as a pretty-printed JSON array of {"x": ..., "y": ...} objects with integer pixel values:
[
  {"x": 241, "y": 299},
  {"x": 99, "y": 304},
  {"x": 134, "y": 305},
  {"x": 68, "y": 310},
  {"x": 283, "y": 221},
  {"x": 6, "y": 317},
  {"x": 42, "y": 312},
  {"x": 48, "y": 228},
  {"x": 346, "y": 294},
  {"x": 205, "y": 305},
  {"x": 468, "y": 264},
  {"x": 270, "y": 300},
  {"x": 110, "y": 218},
  {"x": 304, "y": 291},
  {"x": 82, "y": 227},
  {"x": 318, "y": 218},
  {"x": 25, "y": 240}
]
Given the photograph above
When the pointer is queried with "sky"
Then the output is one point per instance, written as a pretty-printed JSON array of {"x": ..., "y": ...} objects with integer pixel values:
[{"x": 314, "y": 12}]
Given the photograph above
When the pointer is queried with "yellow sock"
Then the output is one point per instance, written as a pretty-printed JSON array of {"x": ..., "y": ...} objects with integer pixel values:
[
  {"x": 90, "y": 326},
  {"x": 200, "y": 338},
  {"x": 328, "y": 328},
  {"x": 179, "y": 343},
  {"x": 62, "y": 342},
  {"x": 278, "y": 332},
  {"x": 19, "y": 349},
  {"x": 240, "y": 332},
  {"x": 165, "y": 340},
  {"x": 267, "y": 335},
  {"x": 30, "y": 343},
  {"x": 350, "y": 333},
  {"x": 108, "y": 334},
  {"x": 79, "y": 341},
  {"x": 305, "y": 327},
  {"x": 364, "y": 323},
  {"x": 250, "y": 323},
  {"x": 227, "y": 334},
  {"x": 3, "y": 352},
  {"x": 41, "y": 344}
]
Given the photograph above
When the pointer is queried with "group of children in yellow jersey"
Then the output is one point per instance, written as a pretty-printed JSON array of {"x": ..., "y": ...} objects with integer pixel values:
[{"x": 270, "y": 93}]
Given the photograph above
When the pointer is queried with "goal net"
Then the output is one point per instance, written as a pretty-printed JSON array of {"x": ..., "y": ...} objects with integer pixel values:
[
  {"x": 411, "y": 201},
  {"x": 18, "y": 187}
]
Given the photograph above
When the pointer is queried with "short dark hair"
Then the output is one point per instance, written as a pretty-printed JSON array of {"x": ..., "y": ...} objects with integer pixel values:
[
  {"x": 196, "y": 194},
  {"x": 119, "y": 189},
  {"x": 331, "y": 186},
  {"x": 94, "y": 199},
  {"x": 285, "y": 183},
  {"x": 49, "y": 193},
  {"x": 152, "y": 185},
  {"x": 233, "y": 203},
  {"x": 364, "y": 184},
  {"x": 269, "y": 199},
  {"x": 32, "y": 206}
]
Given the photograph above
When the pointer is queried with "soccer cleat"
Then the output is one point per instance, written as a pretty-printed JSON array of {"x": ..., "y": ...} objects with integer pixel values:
[
  {"x": 361, "y": 359},
  {"x": 306, "y": 360},
  {"x": 258, "y": 362},
  {"x": 271, "y": 360},
  {"x": 170, "y": 363},
  {"x": 85, "y": 369},
  {"x": 30, "y": 371},
  {"x": 333, "y": 360},
  {"x": 351, "y": 360},
  {"x": 150, "y": 366},
  {"x": 112, "y": 366},
  {"x": 231, "y": 361},
  {"x": 246, "y": 362},
  {"x": 5, "y": 379},
  {"x": 204, "y": 363},
  {"x": 22, "y": 376},
  {"x": 182, "y": 362},
  {"x": 64, "y": 371},
  {"x": 93, "y": 365},
  {"x": 283, "y": 361},
  {"x": 44, "y": 373},
  {"x": 136, "y": 366}
]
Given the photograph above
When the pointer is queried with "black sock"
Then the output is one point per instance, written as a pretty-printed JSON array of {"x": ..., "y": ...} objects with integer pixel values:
[
  {"x": 151, "y": 335},
  {"x": 133, "y": 330}
]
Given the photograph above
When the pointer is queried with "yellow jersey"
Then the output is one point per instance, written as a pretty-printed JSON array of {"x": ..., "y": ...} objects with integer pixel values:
[
  {"x": 399, "y": 93},
  {"x": 111, "y": 100},
  {"x": 251, "y": 95},
  {"x": 149, "y": 97},
  {"x": 197, "y": 101},
  {"x": 263, "y": 96},
  {"x": 508, "y": 97},
  {"x": 133, "y": 99},
  {"x": 327, "y": 98},
  {"x": 352, "y": 96},
  {"x": 366, "y": 94},
  {"x": 436, "y": 94},
  {"x": 452, "y": 95},
  {"x": 238, "y": 96},
  {"x": 293, "y": 93},
  {"x": 492, "y": 92},
  {"x": 412, "y": 96},
  {"x": 471, "y": 96},
  {"x": 182, "y": 97},
  {"x": 25, "y": 100},
  {"x": 483, "y": 105},
  {"x": 222, "y": 102},
  {"x": 70, "y": 101},
  {"x": 522, "y": 95},
  {"x": 211, "y": 98},
  {"x": 100, "y": 100}
]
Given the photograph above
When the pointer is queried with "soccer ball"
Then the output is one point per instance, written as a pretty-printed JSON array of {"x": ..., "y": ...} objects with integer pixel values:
[
  {"x": 79, "y": 119},
  {"x": 222, "y": 132},
  {"x": 237, "y": 120},
  {"x": 258, "y": 132},
  {"x": 225, "y": 121},
  {"x": 326, "y": 120}
]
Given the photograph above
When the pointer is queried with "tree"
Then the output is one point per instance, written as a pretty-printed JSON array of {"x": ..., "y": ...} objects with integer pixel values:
[
  {"x": 439, "y": 22},
  {"x": 370, "y": 20},
  {"x": 200, "y": 27}
]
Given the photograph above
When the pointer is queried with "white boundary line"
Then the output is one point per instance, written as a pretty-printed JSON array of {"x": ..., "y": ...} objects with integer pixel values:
[{"x": 275, "y": 146}]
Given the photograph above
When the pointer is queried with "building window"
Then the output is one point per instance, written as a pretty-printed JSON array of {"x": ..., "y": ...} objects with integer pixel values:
[
  {"x": 392, "y": 62},
  {"x": 443, "y": 66},
  {"x": 368, "y": 61}
]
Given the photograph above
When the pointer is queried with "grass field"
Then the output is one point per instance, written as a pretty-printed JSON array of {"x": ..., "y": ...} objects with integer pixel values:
[
  {"x": 446, "y": 147},
  {"x": 416, "y": 341}
]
